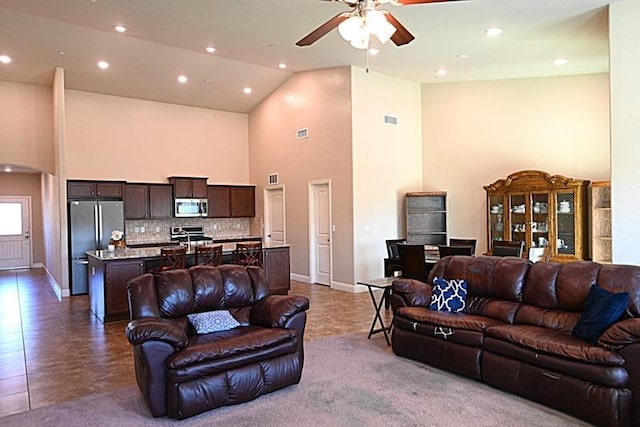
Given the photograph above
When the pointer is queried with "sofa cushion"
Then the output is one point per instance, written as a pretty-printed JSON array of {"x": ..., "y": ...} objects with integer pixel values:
[
  {"x": 448, "y": 295},
  {"x": 555, "y": 342},
  {"x": 212, "y": 321},
  {"x": 601, "y": 309},
  {"x": 467, "y": 337}
]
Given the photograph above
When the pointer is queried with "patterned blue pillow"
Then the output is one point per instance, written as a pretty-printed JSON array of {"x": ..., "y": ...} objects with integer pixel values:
[
  {"x": 212, "y": 321},
  {"x": 600, "y": 310},
  {"x": 449, "y": 295}
]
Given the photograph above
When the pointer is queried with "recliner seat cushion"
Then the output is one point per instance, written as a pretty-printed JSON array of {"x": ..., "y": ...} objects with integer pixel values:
[{"x": 555, "y": 342}]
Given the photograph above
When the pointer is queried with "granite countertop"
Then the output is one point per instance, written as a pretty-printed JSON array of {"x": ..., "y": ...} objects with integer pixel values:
[{"x": 138, "y": 253}]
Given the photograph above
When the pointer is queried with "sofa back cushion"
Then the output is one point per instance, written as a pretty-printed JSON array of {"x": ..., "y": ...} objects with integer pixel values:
[
  {"x": 207, "y": 288},
  {"x": 494, "y": 284},
  {"x": 555, "y": 293}
]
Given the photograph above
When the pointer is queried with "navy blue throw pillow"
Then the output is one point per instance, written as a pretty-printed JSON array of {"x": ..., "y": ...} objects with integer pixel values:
[
  {"x": 449, "y": 295},
  {"x": 601, "y": 309}
]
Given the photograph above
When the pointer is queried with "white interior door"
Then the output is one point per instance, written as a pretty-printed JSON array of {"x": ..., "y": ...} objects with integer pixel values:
[
  {"x": 320, "y": 233},
  {"x": 15, "y": 228},
  {"x": 274, "y": 214}
]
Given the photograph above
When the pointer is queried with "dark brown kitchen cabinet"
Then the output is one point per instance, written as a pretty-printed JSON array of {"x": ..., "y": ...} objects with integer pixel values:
[
  {"x": 136, "y": 201},
  {"x": 160, "y": 201},
  {"x": 189, "y": 188},
  {"x": 219, "y": 201},
  {"x": 275, "y": 263},
  {"x": 108, "y": 287},
  {"x": 95, "y": 189},
  {"x": 243, "y": 201}
]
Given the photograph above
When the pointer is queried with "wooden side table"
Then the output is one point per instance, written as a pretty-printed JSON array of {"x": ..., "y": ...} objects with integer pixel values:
[{"x": 385, "y": 285}]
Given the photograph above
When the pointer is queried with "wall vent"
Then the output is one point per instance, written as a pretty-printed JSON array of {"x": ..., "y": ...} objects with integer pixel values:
[
  {"x": 273, "y": 178},
  {"x": 302, "y": 133},
  {"x": 390, "y": 120}
]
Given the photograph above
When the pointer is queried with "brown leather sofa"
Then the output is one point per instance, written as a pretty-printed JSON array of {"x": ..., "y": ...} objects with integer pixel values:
[
  {"x": 181, "y": 373},
  {"x": 516, "y": 333}
]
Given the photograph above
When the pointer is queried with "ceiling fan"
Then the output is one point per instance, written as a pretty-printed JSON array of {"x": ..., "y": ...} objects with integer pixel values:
[{"x": 364, "y": 19}]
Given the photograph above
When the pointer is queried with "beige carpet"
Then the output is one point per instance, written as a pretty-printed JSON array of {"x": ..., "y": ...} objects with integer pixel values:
[{"x": 347, "y": 381}]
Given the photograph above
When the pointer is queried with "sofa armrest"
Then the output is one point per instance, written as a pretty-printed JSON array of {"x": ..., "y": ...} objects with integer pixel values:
[
  {"x": 412, "y": 292},
  {"x": 620, "y": 334},
  {"x": 275, "y": 310},
  {"x": 155, "y": 328}
]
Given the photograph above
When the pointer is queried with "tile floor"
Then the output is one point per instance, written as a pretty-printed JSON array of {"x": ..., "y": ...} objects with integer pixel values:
[{"x": 55, "y": 350}]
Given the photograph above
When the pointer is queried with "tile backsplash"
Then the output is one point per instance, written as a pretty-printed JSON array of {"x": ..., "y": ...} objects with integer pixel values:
[{"x": 159, "y": 230}]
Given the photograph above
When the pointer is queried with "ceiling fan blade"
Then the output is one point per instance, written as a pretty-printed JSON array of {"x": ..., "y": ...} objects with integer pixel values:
[
  {"x": 402, "y": 36},
  {"x": 408, "y": 2},
  {"x": 323, "y": 29}
]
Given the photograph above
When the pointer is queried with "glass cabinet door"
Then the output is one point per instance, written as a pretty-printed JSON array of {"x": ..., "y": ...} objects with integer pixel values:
[
  {"x": 496, "y": 218},
  {"x": 518, "y": 218},
  {"x": 565, "y": 206},
  {"x": 539, "y": 220}
]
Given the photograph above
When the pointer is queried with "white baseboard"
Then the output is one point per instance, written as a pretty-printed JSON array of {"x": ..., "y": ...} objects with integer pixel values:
[
  {"x": 346, "y": 287},
  {"x": 300, "y": 278},
  {"x": 37, "y": 265},
  {"x": 61, "y": 293}
]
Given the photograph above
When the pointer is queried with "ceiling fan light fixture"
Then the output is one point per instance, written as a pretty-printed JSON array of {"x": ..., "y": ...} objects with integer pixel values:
[
  {"x": 361, "y": 41},
  {"x": 351, "y": 28},
  {"x": 378, "y": 25}
]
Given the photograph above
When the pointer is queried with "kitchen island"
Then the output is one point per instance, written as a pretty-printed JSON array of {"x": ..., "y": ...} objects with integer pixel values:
[{"x": 109, "y": 273}]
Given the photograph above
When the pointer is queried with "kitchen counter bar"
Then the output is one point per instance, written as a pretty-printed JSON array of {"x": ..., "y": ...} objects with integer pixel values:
[{"x": 215, "y": 241}]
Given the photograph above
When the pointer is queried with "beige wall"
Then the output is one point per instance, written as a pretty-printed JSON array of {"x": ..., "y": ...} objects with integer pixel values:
[
  {"x": 27, "y": 184},
  {"x": 625, "y": 129},
  {"x": 320, "y": 101},
  {"x": 477, "y": 132},
  {"x": 26, "y": 132},
  {"x": 110, "y": 137},
  {"x": 387, "y": 163}
]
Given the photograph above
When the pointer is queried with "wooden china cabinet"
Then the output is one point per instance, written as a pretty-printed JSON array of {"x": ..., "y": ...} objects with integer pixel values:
[{"x": 541, "y": 210}]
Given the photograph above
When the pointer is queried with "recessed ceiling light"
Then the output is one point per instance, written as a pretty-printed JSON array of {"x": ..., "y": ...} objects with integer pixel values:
[
  {"x": 462, "y": 56},
  {"x": 211, "y": 49},
  {"x": 559, "y": 62},
  {"x": 493, "y": 32},
  {"x": 247, "y": 90},
  {"x": 103, "y": 64},
  {"x": 282, "y": 65},
  {"x": 442, "y": 72},
  {"x": 182, "y": 79},
  {"x": 61, "y": 52},
  {"x": 120, "y": 28},
  {"x": 374, "y": 51},
  {"x": 7, "y": 168},
  {"x": 5, "y": 59}
]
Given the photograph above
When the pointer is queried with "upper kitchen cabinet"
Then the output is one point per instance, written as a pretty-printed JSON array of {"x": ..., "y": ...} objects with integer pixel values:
[
  {"x": 541, "y": 210},
  {"x": 243, "y": 201},
  {"x": 219, "y": 199},
  {"x": 231, "y": 201},
  {"x": 148, "y": 201},
  {"x": 95, "y": 189},
  {"x": 189, "y": 188}
]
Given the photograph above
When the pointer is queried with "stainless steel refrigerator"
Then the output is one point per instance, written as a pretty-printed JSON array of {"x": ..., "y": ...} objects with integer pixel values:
[{"x": 90, "y": 225}]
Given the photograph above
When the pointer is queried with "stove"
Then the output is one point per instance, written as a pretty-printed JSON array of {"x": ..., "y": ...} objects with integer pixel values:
[{"x": 189, "y": 234}]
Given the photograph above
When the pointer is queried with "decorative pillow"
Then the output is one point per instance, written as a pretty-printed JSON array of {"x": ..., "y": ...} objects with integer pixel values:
[
  {"x": 212, "y": 321},
  {"x": 600, "y": 310},
  {"x": 448, "y": 295}
]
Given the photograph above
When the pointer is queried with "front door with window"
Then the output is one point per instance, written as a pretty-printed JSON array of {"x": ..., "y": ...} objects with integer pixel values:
[{"x": 15, "y": 239}]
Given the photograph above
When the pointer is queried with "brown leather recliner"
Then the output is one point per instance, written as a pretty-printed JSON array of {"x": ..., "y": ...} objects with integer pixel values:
[{"x": 181, "y": 373}]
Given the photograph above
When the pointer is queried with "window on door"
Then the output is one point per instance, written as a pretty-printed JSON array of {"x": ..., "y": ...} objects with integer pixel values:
[{"x": 10, "y": 219}]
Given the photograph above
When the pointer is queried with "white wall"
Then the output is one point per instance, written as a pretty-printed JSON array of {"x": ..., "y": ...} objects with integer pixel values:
[
  {"x": 477, "y": 132},
  {"x": 387, "y": 163},
  {"x": 624, "y": 34}
]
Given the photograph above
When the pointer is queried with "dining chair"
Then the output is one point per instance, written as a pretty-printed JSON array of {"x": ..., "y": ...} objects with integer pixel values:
[
  {"x": 209, "y": 255},
  {"x": 464, "y": 242},
  {"x": 444, "y": 250},
  {"x": 507, "y": 248},
  {"x": 412, "y": 262},
  {"x": 172, "y": 258},
  {"x": 393, "y": 263},
  {"x": 249, "y": 253}
]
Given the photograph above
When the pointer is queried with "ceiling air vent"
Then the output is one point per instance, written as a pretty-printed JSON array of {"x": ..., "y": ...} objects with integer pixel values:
[
  {"x": 273, "y": 178},
  {"x": 390, "y": 120},
  {"x": 302, "y": 133}
]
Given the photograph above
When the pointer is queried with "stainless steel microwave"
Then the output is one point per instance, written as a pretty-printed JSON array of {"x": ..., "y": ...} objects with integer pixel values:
[{"x": 190, "y": 207}]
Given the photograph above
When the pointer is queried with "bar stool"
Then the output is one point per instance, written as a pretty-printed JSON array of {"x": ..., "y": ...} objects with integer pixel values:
[
  {"x": 248, "y": 253},
  {"x": 172, "y": 258},
  {"x": 209, "y": 255}
]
